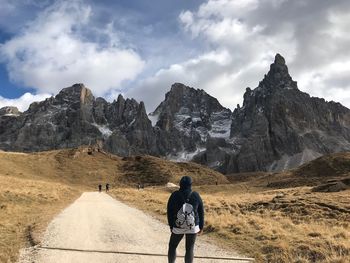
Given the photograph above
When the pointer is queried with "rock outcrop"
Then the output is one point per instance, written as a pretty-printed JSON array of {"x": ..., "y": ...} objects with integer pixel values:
[
  {"x": 10, "y": 111},
  {"x": 73, "y": 118},
  {"x": 279, "y": 127},
  {"x": 187, "y": 119}
]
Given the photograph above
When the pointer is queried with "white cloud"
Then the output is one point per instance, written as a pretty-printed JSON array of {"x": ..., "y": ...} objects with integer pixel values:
[
  {"x": 226, "y": 8},
  {"x": 240, "y": 58},
  {"x": 238, "y": 40},
  {"x": 54, "y": 51},
  {"x": 332, "y": 82},
  {"x": 207, "y": 72},
  {"x": 243, "y": 36},
  {"x": 23, "y": 102}
]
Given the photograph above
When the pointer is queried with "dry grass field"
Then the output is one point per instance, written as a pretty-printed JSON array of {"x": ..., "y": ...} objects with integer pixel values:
[
  {"x": 150, "y": 170},
  {"x": 271, "y": 217},
  {"x": 278, "y": 217},
  {"x": 26, "y": 206},
  {"x": 289, "y": 225},
  {"x": 35, "y": 187},
  {"x": 81, "y": 167}
]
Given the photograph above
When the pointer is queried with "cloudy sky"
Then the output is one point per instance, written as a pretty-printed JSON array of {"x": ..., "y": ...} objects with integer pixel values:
[{"x": 139, "y": 48}]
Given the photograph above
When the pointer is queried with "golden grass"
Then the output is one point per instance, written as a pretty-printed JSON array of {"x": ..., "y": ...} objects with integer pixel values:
[
  {"x": 77, "y": 167},
  {"x": 151, "y": 170},
  {"x": 288, "y": 225},
  {"x": 34, "y": 187},
  {"x": 250, "y": 215},
  {"x": 26, "y": 206},
  {"x": 67, "y": 166}
]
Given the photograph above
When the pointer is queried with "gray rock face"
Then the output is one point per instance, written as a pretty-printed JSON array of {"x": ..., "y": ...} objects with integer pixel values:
[
  {"x": 280, "y": 127},
  {"x": 8, "y": 123},
  {"x": 187, "y": 119},
  {"x": 10, "y": 111},
  {"x": 74, "y": 117}
]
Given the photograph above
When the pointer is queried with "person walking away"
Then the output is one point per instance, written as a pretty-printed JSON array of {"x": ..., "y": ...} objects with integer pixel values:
[
  {"x": 185, "y": 217},
  {"x": 107, "y": 187},
  {"x": 100, "y": 188}
]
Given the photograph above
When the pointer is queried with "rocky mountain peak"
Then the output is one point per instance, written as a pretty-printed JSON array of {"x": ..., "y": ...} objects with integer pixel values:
[
  {"x": 279, "y": 60},
  {"x": 192, "y": 115},
  {"x": 278, "y": 77},
  {"x": 141, "y": 120},
  {"x": 277, "y": 127},
  {"x": 177, "y": 97},
  {"x": 76, "y": 93},
  {"x": 182, "y": 98},
  {"x": 178, "y": 87},
  {"x": 284, "y": 126},
  {"x": 141, "y": 112},
  {"x": 120, "y": 99}
]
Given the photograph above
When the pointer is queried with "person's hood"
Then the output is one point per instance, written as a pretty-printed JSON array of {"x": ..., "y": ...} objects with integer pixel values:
[{"x": 185, "y": 183}]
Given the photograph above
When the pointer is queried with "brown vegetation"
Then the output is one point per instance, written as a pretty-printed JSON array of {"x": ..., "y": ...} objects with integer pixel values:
[
  {"x": 288, "y": 225},
  {"x": 274, "y": 217},
  {"x": 271, "y": 216},
  {"x": 150, "y": 170},
  {"x": 26, "y": 206},
  {"x": 34, "y": 187}
]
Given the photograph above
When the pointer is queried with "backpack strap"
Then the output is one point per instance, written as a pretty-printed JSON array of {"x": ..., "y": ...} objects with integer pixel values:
[{"x": 186, "y": 200}]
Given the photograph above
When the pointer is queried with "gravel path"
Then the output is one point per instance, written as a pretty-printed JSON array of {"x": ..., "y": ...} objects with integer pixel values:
[{"x": 96, "y": 221}]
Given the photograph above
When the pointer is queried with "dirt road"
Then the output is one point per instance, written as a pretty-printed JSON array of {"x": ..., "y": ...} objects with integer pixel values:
[{"x": 96, "y": 221}]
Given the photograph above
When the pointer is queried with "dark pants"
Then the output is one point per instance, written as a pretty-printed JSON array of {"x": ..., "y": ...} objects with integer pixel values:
[{"x": 174, "y": 242}]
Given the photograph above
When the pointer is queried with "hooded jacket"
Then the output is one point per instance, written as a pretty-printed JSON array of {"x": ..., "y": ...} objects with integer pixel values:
[{"x": 177, "y": 199}]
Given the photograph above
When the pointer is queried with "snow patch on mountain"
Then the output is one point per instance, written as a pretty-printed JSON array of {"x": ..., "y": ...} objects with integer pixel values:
[
  {"x": 132, "y": 122},
  {"x": 221, "y": 129},
  {"x": 215, "y": 164},
  {"x": 153, "y": 118},
  {"x": 220, "y": 124},
  {"x": 106, "y": 132},
  {"x": 185, "y": 156},
  {"x": 11, "y": 115},
  {"x": 189, "y": 123}
]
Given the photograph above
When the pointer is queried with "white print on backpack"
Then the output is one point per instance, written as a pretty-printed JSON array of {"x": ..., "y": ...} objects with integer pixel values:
[{"x": 185, "y": 217}]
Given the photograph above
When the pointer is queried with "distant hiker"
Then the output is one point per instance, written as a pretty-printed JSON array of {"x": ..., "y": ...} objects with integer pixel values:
[
  {"x": 139, "y": 186},
  {"x": 185, "y": 217},
  {"x": 216, "y": 183},
  {"x": 107, "y": 187},
  {"x": 100, "y": 188}
]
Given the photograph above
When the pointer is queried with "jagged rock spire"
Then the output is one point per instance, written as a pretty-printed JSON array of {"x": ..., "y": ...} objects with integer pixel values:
[
  {"x": 278, "y": 76},
  {"x": 279, "y": 60}
]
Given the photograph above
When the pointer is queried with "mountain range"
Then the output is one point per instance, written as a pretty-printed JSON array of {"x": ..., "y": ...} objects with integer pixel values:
[{"x": 278, "y": 126}]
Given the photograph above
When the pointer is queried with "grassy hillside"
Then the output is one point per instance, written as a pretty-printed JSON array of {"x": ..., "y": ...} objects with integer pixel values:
[
  {"x": 279, "y": 225},
  {"x": 325, "y": 169},
  {"x": 81, "y": 167},
  {"x": 155, "y": 171},
  {"x": 26, "y": 206},
  {"x": 273, "y": 217},
  {"x": 337, "y": 164},
  {"x": 34, "y": 187}
]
